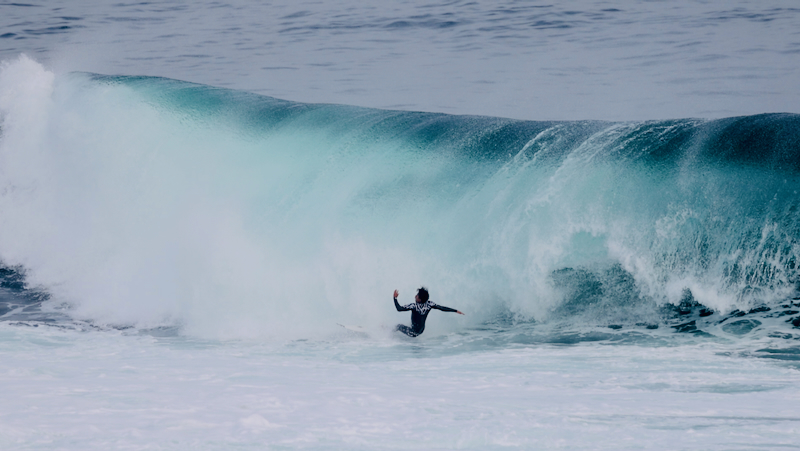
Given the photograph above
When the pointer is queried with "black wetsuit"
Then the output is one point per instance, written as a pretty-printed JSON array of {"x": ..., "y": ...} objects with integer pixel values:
[{"x": 419, "y": 313}]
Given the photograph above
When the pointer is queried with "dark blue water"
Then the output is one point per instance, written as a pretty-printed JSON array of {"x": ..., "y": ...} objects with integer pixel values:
[{"x": 534, "y": 60}]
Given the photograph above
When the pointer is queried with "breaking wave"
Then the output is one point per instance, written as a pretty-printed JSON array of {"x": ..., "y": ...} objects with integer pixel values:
[{"x": 147, "y": 201}]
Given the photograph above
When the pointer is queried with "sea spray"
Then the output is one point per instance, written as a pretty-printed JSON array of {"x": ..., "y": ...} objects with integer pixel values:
[{"x": 146, "y": 201}]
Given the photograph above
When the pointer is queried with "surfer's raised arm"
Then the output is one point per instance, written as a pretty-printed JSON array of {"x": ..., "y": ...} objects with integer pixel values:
[{"x": 399, "y": 307}]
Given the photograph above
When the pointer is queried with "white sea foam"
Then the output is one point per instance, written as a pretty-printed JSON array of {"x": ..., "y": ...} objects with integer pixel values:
[
  {"x": 135, "y": 219},
  {"x": 66, "y": 389}
]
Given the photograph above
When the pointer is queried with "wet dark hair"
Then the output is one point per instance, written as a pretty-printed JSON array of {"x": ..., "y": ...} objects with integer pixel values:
[{"x": 423, "y": 294}]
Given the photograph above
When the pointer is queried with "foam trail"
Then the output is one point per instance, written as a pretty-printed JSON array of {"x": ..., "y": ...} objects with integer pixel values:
[{"x": 149, "y": 201}]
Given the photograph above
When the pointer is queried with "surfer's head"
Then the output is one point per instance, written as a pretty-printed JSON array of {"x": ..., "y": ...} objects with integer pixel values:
[{"x": 422, "y": 294}]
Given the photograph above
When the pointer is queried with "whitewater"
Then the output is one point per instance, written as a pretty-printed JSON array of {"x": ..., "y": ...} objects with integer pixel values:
[{"x": 193, "y": 198}]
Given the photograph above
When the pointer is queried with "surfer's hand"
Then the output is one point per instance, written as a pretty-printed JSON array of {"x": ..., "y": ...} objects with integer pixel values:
[
  {"x": 395, "y": 294},
  {"x": 459, "y": 312}
]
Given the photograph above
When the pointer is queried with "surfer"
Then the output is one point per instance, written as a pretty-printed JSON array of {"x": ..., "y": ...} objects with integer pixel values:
[{"x": 419, "y": 312}]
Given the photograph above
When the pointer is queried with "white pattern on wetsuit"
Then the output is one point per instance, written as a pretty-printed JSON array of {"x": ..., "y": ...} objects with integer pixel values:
[{"x": 421, "y": 307}]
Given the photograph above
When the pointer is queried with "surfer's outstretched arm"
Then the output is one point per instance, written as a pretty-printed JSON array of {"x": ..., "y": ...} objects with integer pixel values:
[
  {"x": 399, "y": 307},
  {"x": 445, "y": 309}
]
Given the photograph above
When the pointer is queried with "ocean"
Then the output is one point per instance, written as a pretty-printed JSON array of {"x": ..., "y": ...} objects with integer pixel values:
[{"x": 194, "y": 197}]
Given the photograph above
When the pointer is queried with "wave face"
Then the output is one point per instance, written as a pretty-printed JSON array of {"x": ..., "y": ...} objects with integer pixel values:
[{"x": 149, "y": 201}]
